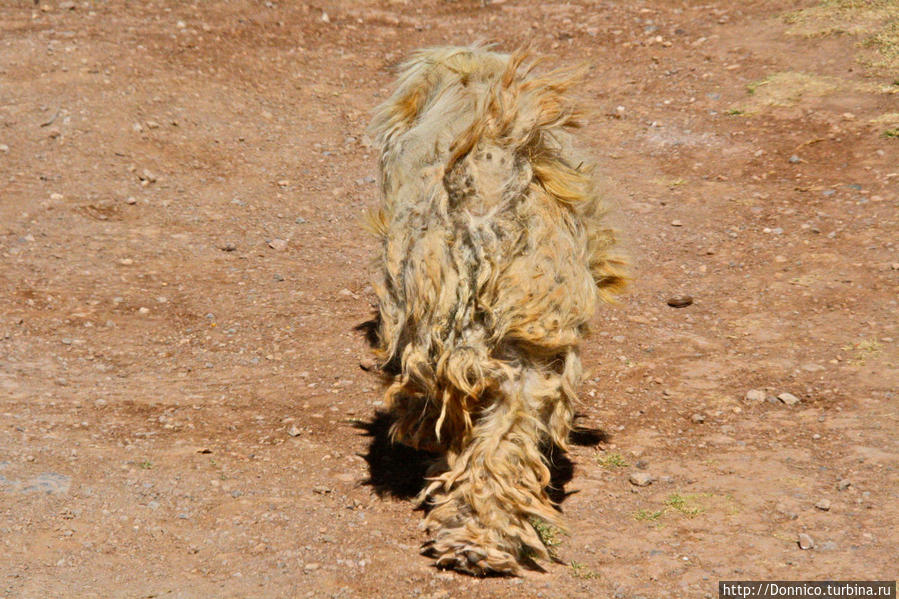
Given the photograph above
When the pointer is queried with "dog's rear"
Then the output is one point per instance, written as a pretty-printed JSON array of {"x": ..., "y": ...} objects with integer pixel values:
[{"x": 494, "y": 256}]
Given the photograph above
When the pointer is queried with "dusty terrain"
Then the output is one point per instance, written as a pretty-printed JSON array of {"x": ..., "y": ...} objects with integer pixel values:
[{"x": 182, "y": 408}]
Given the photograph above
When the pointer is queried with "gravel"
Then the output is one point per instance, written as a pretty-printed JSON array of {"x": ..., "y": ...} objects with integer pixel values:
[
  {"x": 756, "y": 395},
  {"x": 641, "y": 479},
  {"x": 788, "y": 398}
]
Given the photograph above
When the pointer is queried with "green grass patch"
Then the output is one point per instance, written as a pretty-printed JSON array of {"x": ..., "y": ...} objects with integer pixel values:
[
  {"x": 146, "y": 465},
  {"x": 891, "y": 133},
  {"x": 647, "y": 515},
  {"x": 685, "y": 504},
  {"x": 610, "y": 461},
  {"x": 549, "y": 534},
  {"x": 581, "y": 571}
]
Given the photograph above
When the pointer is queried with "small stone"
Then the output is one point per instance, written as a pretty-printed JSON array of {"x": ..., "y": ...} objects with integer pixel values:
[
  {"x": 236, "y": 493},
  {"x": 229, "y": 247},
  {"x": 293, "y": 431},
  {"x": 319, "y": 490},
  {"x": 680, "y": 301},
  {"x": 278, "y": 244},
  {"x": 755, "y": 395},
  {"x": 368, "y": 365},
  {"x": 844, "y": 484},
  {"x": 698, "y": 418},
  {"x": 805, "y": 541},
  {"x": 283, "y": 183},
  {"x": 147, "y": 175},
  {"x": 786, "y": 511},
  {"x": 677, "y": 223},
  {"x": 310, "y": 567},
  {"x": 641, "y": 479},
  {"x": 300, "y": 220},
  {"x": 278, "y": 277},
  {"x": 144, "y": 310},
  {"x": 346, "y": 292},
  {"x": 788, "y": 398},
  {"x": 131, "y": 200},
  {"x": 823, "y": 505},
  {"x": 325, "y": 17},
  {"x": 794, "y": 159},
  {"x": 4, "y": 148}
]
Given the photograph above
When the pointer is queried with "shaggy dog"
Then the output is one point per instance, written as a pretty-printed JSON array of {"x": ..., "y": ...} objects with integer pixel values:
[{"x": 494, "y": 255}]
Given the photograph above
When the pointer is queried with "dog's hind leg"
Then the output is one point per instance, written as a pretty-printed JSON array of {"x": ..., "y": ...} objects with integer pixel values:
[{"x": 483, "y": 504}]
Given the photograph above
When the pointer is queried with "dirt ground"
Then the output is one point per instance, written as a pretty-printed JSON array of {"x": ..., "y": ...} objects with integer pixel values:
[{"x": 182, "y": 408}]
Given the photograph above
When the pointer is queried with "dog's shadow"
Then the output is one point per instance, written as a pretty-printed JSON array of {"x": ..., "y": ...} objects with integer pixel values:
[{"x": 395, "y": 470}]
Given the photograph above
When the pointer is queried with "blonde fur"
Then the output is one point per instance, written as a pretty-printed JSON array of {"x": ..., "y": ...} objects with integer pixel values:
[{"x": 494, "y": 255}]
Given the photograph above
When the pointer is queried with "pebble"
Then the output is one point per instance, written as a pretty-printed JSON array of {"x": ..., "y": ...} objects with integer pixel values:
[
  {"x": 823, "y": 505},
  {"x": 788, "y": 398},
  {"x": 300, "y": 220},
  {"x": 785, "y": 510},
  {"x": 680, "y": 301},
  {"x": 278, "y": 277},
  {"x": 4, "y": 148},
  {"x": 293, "y": 431},
  {"x": 229, "y": 247},
  {"x": 640, "y": 479},
  {"x": 236, "y": 493},
  {"x": 131, "y": 200},
  {"x": 844, "y": 484},
  {"x": 805, "y": 541},
  {"x": 755, "y": 395},
  {"x": 698, "y": 418},
  {"x": 311, "y": 567},
  {"x": 319, "y": 490},
  {"x": 794, "y": 159},
  {"x": 277, "y": 244},
  {"x": 677, "y": 223}
]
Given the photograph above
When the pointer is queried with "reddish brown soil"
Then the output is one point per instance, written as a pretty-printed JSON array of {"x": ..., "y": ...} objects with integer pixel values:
[{"x": 149, "y": 378}]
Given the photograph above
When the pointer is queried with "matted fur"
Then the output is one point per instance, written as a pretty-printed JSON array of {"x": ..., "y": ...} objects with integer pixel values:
[{"x": 495, "y": 254}]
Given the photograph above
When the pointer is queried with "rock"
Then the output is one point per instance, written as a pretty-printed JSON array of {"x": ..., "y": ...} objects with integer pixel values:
[
  {"x": 293, "y": 431},
  {"x": 368, "y": 365},
  {"x": 4, "y": 148},
  {"x": 310, "y": 567},
  {"x": 844, "y": 484},
  {"x": 236, "y": 493},
  {"x": 325, "y": 17},
  {"x": 346, "y": 293},
  {"x": 300, "y": 220},
  {"x": 823, "y": 505},
  {"x": 229, "y": 247},
  {"x": 278, "y": 244},
  {"x": 786, "y": 511},
  {"x": 680, "y": 301},
  {"x": 805, "y": 541},
  {"x": 677, "y": 223},
  {"x": 641, "y": 479},
  {"x": 788, "y": 398},
  {"x": 794, "y": 159},
  {"x": 756, "y": 395},
  {"x": 278, "y": 277},
  {"x": 319, "y": 490},
  {"x": 698, "y": 418},
  {"x": 131, "y": 200}
]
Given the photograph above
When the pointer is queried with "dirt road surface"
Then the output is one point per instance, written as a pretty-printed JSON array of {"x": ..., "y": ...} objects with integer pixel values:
[{"x": 182, "y": 408}]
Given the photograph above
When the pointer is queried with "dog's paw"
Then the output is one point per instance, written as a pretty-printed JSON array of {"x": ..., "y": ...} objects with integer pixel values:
[{"x": 471, "y": 559}]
